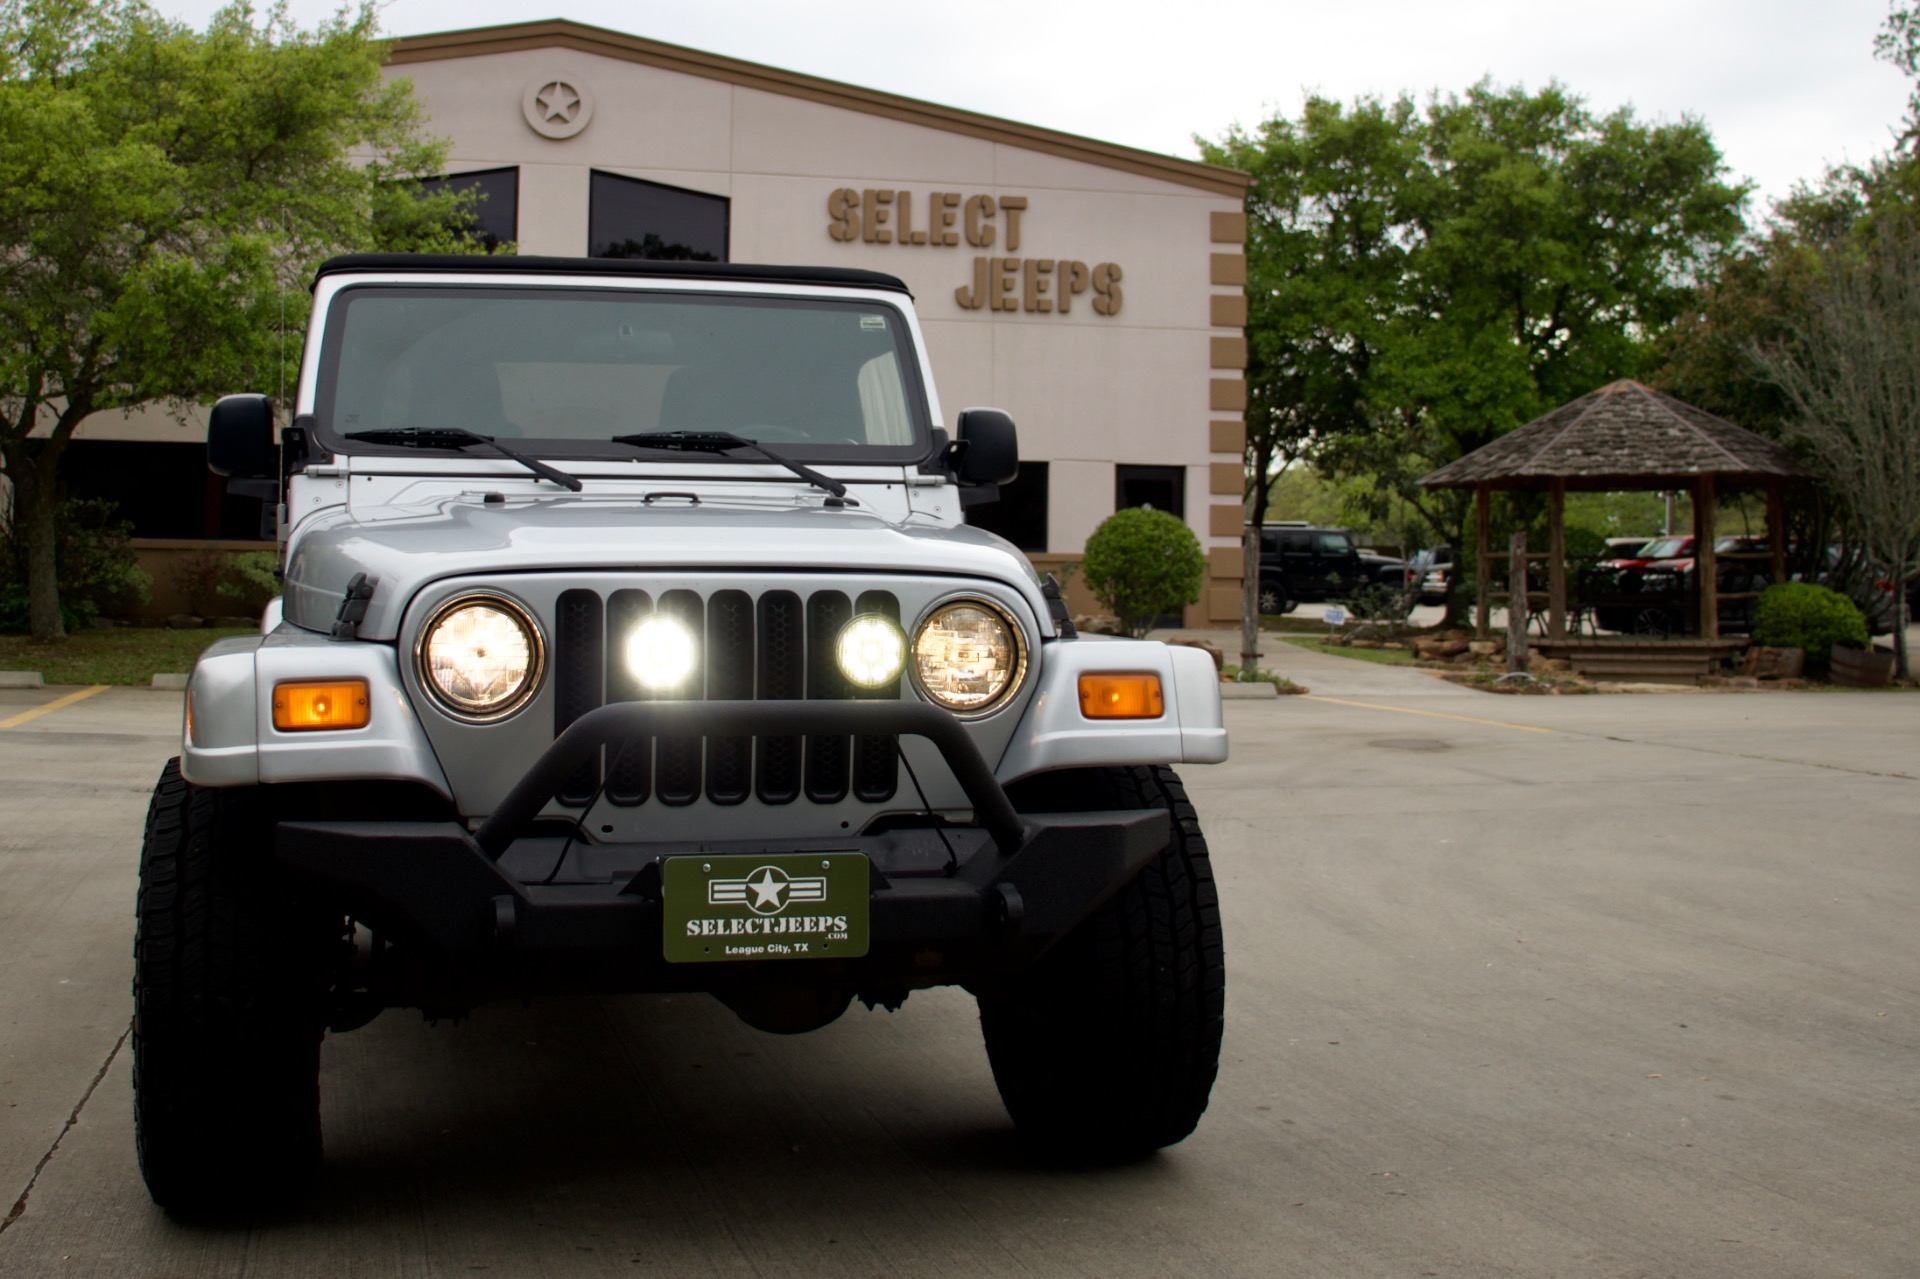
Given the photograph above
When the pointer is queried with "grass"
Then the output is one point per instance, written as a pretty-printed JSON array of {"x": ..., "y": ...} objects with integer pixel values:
[
  {"x": 1279, "y": 681},
  {"x": 117, "y": 655},
  {"x": 1384, "y": 656}
]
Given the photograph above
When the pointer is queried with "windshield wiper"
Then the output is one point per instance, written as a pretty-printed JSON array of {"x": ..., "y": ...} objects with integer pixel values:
[
  {"x": 721, "y": 442},
  {"x": 447, "y": 437}
]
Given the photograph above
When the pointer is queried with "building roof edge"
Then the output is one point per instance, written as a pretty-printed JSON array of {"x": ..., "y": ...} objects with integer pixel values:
[{"x": 563, "y": 33}]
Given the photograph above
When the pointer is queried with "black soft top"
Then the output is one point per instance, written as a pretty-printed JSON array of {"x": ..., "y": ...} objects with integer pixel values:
[{"x": 479, "y": 264}]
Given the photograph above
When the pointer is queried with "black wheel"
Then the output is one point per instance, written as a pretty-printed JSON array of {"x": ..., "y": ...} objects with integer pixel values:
[
  {"x": 230, "y": 973},
  {"x": 1273, "y": 599},
  {"x": 1108, "y": 1048}
]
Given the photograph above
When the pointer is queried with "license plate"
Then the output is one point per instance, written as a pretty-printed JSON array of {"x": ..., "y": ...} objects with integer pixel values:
[{"x": 760, "y": 906}]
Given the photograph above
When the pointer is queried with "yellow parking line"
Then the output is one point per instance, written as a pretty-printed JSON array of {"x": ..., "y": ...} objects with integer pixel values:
[
  {"x": 1408, "y": 710},
  {"x": 54, "y": 705}
]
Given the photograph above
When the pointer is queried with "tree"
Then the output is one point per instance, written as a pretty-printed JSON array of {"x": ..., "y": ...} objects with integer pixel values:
[
  {"x": 1326, "y": 199},
  {"x": 1141, "y": 563},
  {"x": 1520, "y": 251},
  {"x": 1850, "y": 375},
  {"x": 165, "y": 192}
]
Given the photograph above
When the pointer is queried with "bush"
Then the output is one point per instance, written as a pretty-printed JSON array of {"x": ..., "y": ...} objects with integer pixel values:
[
  {"x": 94, "y": 560},
  {"x": 1802, "y": 615},
  {"x": 234, "y": 582},
  {"x": 1141, "y": 563}
]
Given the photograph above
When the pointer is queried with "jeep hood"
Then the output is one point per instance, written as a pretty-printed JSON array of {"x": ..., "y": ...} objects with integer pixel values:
[{"x": 463, "y": 536}]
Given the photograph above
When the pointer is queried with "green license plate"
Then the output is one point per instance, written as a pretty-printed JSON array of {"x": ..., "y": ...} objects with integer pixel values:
[{"x": 763, "y": 906}]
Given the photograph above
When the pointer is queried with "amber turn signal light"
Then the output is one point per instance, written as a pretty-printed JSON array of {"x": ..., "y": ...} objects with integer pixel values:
[
  {"x": 1121, "y": 697},
  {"x": 309, "y": 705}
]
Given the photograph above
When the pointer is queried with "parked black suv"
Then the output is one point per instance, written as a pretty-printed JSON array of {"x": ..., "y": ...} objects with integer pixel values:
[{"x": 1301, "y": 563}]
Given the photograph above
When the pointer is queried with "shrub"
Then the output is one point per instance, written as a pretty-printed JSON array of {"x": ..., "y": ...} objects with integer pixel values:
[
  {"x": 250, "y": 580},
  {"x": 244, "y": 580},
  {"x": 93, "y": 558},
  {"x": 1804, "y": 616},
  {"x": 1141, "y": 563}
]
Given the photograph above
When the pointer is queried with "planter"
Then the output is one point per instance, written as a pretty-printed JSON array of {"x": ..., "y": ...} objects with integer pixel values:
[{"x": 1861, "y": 667}]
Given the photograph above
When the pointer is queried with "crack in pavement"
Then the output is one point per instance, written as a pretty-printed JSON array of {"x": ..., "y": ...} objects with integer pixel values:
[
  {"x": 1764, "y": 759},
  {"x": 19, "y": 1208}
]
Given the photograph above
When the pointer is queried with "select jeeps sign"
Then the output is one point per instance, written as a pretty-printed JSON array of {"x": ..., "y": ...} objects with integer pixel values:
[
  {"x": 763, "y": 906},
  {"x": 1043, "y": 286}
]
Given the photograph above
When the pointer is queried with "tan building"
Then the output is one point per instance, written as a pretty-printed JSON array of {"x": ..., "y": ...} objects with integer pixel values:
[{"x": 1092, "y": 291}]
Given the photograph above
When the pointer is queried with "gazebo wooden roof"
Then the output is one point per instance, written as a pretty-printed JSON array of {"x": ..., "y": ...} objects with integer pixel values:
[{"x": 1624, "y": 436}]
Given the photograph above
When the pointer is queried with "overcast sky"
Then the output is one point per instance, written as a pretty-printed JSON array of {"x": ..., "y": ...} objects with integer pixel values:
[{"x": 1786, "y": 86}]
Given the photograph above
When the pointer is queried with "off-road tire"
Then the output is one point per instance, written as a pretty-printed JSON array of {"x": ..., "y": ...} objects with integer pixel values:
[
  {"x": 229, "y": 983},
  {"x": 1108, "y": 1048},
  {"x": 1272, "y": 599}
]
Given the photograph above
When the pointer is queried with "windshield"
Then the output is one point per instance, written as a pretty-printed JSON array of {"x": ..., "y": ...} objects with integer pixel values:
[{"x": 813, "y": 377}]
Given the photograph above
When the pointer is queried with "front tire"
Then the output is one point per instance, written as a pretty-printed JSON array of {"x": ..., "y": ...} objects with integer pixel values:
[
  {"x": 229, "y": 991},
  {"x": 1108, "y": 1048}
]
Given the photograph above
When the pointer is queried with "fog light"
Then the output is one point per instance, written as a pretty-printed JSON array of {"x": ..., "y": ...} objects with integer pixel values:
[
  {"x": 661, "y": 653},
  {"x": 1109, "y": 696},
  {"x": 872, "y": 651},
  {"x": 313, "y": 705}
]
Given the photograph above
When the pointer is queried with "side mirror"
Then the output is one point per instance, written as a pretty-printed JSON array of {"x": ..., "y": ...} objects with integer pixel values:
[
  {"x": 240, "y": 438},
  {"x": 991, "y": 448}
]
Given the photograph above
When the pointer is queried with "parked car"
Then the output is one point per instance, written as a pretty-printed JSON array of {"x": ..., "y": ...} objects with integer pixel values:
[
  {"x": 1659, "y": 548},
  {"x": 1439, "y": 575},
  {"x": 1384, "y": 570},
  {"x": 1301, "y": 563}
]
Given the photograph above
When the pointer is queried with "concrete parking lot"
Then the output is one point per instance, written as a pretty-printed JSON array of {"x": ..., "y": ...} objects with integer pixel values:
[{"x": 1597, "y": 986}]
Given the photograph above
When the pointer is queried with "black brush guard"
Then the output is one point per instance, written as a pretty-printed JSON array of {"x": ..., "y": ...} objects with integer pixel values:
[{"x": 1017, "y": 883}]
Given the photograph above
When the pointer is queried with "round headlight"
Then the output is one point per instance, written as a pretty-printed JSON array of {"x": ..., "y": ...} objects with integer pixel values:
[
  {"x": 968, "y": 655},
  {"x": 480, "y": 656},
  {"x": 871, "y": 650},
  {"x": 661, "y": 652}
]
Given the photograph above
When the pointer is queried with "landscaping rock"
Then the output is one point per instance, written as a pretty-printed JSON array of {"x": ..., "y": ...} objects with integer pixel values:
[
  {"x": 1484, "y": 648},
  {"x": 1210, "y": 649}
]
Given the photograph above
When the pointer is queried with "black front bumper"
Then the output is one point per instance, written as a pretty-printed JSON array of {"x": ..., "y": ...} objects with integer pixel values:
[{"x": 994, "y": 897}]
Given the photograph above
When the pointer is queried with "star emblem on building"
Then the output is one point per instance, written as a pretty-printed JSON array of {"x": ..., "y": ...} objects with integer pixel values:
[{"x": 558, "y": 101}]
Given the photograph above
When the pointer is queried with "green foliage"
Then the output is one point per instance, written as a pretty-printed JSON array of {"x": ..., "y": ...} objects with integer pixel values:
[
  {"x": 97, "y": 566},
  {"x": 1802, "y": 615},
  {"x": 1141, "y": 563},
  {"x": 1423, "y": 280},
  {"x": 251, "y": 580},
  {"x": 168, "y": 194}
]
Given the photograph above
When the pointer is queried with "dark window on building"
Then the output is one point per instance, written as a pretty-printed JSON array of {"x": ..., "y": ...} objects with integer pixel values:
[
  {"x": 1020, "y": 515},
  {"x": 164, "y": 490},
  {"x": 1164, "y": 488},
  {"x": 628, "y": 218},
  {"x": 496, "y": 206}
]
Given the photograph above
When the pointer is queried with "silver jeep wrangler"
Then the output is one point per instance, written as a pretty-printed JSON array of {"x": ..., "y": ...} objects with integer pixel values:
[{"x": 633, "y": 640}]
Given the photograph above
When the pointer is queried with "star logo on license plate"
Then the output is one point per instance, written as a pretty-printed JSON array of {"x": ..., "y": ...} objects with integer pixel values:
[{"x": 767, "y": 891}]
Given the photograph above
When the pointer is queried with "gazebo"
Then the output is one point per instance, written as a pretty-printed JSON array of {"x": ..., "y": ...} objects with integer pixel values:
[{"x": 1624, "y": 436}]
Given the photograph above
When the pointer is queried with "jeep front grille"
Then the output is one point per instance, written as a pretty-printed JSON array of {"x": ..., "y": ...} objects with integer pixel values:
[{"x": 774, "y": 646}]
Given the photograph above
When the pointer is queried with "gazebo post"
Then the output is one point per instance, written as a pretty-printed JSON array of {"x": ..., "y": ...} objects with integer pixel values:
[
  {"x": 1483, "y": 516},
  {"x": 1557, "y": 567},
  {"x": 1776, "y": 531},
  {"x": 1706, "y": 565}
]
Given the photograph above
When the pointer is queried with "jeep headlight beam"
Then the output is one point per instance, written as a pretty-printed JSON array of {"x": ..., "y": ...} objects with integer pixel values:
[
  {"x": 871, "y": 651},
  {"x": 968, "y": 656},
  {"x": 480, "y": 656},
  {"x": 661, "y": 653}
]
